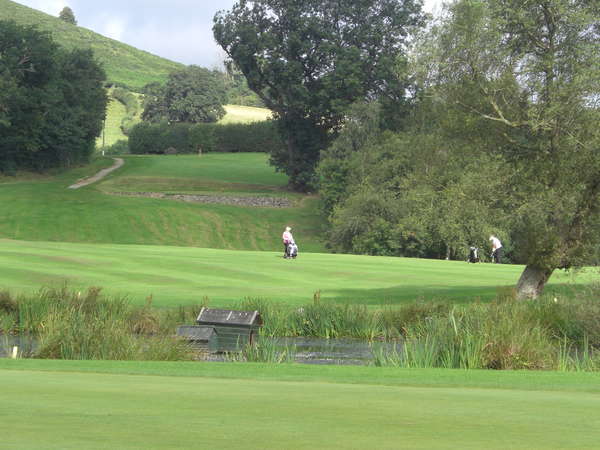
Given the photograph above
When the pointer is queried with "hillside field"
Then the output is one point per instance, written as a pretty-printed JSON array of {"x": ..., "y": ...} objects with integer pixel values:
[
  {"x": 123, "y": 64},
  {"x": 104, "y": 404}
]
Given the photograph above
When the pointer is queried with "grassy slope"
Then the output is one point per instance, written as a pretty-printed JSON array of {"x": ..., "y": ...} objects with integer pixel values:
[
  {"x": 178, "y": 275},
  {"x": 112, "y": 126},
  {"x": 45, "y": 210},
  {"x": 123, "y": 63},
  {"x": 107, "y": 404}
]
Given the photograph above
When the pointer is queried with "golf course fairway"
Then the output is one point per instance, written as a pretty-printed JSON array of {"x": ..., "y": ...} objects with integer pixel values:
[
  {"x": 68, "y": 405},
  {"x": 186, "y": 276}
]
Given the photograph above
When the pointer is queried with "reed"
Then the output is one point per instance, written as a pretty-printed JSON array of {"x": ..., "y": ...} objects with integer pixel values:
[{"x": 265, "y": 351}]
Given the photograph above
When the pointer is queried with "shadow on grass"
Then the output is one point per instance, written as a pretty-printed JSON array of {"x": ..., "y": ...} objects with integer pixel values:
[{"x": 457, "y": 294}]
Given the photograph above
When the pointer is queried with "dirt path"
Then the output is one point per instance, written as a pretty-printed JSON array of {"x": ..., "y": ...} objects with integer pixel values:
[{"x": 118, "y": 163}]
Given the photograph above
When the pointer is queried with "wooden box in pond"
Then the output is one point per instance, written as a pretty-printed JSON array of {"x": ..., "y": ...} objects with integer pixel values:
[
  {"x": 235, "y": 329},
  {"x": 202, "y": 337}
]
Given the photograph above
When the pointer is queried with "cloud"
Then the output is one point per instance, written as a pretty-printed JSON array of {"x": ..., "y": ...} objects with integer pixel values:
[
  {"x": 52, "y": 7},
  {"x": 112, "y": 27}
]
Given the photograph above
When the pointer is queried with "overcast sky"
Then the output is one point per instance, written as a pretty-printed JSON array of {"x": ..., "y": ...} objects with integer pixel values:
[{"x": 180, "y": 30}]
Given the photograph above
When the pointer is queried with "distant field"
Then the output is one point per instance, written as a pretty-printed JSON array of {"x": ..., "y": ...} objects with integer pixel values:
[
  {"x": 244, "y": 114},
  {"x": 112, "y": 126},
  {"x": 177, "y": 275},
  {"x": 123, "y": 64},
  {"x": 43, "y": 209},
  {"x": 104, "y": 404}
]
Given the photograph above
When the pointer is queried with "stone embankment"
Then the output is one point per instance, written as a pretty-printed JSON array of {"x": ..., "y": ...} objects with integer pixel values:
[{"x": 258, "y": 202}]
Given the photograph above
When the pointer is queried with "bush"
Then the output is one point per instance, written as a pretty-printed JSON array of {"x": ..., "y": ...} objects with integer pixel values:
[
  {"x": 147, "y": 138},
  {"x": 121, "y": 147}
]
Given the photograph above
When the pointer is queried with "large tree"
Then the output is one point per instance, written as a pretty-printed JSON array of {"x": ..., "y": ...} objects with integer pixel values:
[
  {"x": 192, "y": 95},
  {"x": 52, "y": 101},
  {"x": 308, "y": 60},
  {"x": 531, "y": 68}
]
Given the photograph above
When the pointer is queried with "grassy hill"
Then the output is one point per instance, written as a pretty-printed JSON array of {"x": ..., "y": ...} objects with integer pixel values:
[{"x": 123, "y": 64}]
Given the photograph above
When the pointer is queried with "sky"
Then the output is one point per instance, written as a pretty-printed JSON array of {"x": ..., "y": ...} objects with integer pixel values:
[{"x": 179, "y": 30}]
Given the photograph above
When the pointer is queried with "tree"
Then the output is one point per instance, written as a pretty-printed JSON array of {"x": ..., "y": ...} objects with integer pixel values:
[
  {"x": 191, "y": 95},
  {"x": 531, "y": 68},
  {"x": 309, "y": 60},
  {"x": 52, "y": 104},
  {"x": 67, "y": 15}
]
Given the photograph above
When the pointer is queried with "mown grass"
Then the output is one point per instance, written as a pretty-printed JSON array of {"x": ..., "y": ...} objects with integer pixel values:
[
  {"x": 45, "y": 210},
  {"x": 123, "y": 64},
  {"x": 228, "y": 405},
  {"x": 180, "y": 275},
  {"x": 229, "y": 172}
]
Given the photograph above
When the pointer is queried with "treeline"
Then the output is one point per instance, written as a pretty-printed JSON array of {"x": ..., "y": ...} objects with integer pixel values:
[
  {"x": 499, "y": 136},
  {"x": 52, "y": 101},
  {"x": 161, "y": 138}
]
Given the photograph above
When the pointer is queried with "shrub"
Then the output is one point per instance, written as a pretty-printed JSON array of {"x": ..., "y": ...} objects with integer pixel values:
[
  {"x": 146, "y": 138},
  {"x": 121, "y": 147}
]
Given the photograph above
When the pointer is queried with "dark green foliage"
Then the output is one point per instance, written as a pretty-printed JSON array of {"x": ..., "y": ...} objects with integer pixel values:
[
  {"x": 309, "y": 60},
  {"x": 191, "y": 138},
  {"x": 191, "y": 95},
  {"x": 238, "y": 91},
  {"x": 53, "y": 104},
  {"x": 67, "y": 15},
  {"x": 121, "y": 147}
]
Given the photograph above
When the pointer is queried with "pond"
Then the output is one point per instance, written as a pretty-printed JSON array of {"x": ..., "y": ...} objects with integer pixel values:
[{"x": 307, "y": 350}]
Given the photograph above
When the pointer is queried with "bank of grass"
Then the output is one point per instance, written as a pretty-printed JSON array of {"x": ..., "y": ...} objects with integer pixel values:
[
  {"x": 45, "y": 210},
  {"x": 91, "y": 404}
]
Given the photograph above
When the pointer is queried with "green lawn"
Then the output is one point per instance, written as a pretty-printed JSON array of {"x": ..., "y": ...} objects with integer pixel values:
[
  {"x": 64, "y": 404},
  {"x": 44, "y": 209},
  {"x": 230, "y": 172},
  {"x": 180, "y": 275}
]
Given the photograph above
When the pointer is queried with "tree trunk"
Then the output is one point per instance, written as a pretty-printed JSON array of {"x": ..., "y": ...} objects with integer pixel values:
[{"x": 532, "y": 282}]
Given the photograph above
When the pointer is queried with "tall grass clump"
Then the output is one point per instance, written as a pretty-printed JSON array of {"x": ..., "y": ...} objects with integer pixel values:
[
  {"x": 318, "y": 319},
  {"x": 265, "y": 351},
  {"x": 87, "y": 325}
]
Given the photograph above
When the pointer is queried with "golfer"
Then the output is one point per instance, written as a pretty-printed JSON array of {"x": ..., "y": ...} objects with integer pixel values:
[
  {"x": 496, "y": 249},
  {"x": 287, "y": 240}
]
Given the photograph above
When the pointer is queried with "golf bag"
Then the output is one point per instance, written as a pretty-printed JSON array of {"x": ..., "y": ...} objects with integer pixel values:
[
  {"x": 473, "y": 255},
  {"x": 292, "y": 250}
]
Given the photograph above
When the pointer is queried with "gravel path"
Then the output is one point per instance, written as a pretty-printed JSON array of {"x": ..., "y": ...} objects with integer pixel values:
[{"x": 118, "y": 163}]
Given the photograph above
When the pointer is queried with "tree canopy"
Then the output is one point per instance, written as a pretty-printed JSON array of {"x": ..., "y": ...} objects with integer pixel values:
[
  {"x": 52, "y": 101},
  {"x": 308, "y": 60},
  {"x": 67, "y": 15},
  {"x": 191, "y": 95},
  {"x": 503, "y": 140}
]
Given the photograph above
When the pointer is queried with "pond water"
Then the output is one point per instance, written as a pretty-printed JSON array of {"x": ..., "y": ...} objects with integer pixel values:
[
  {"x": 306, "y": 350},
  {"x": 310, "y": 350}
]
